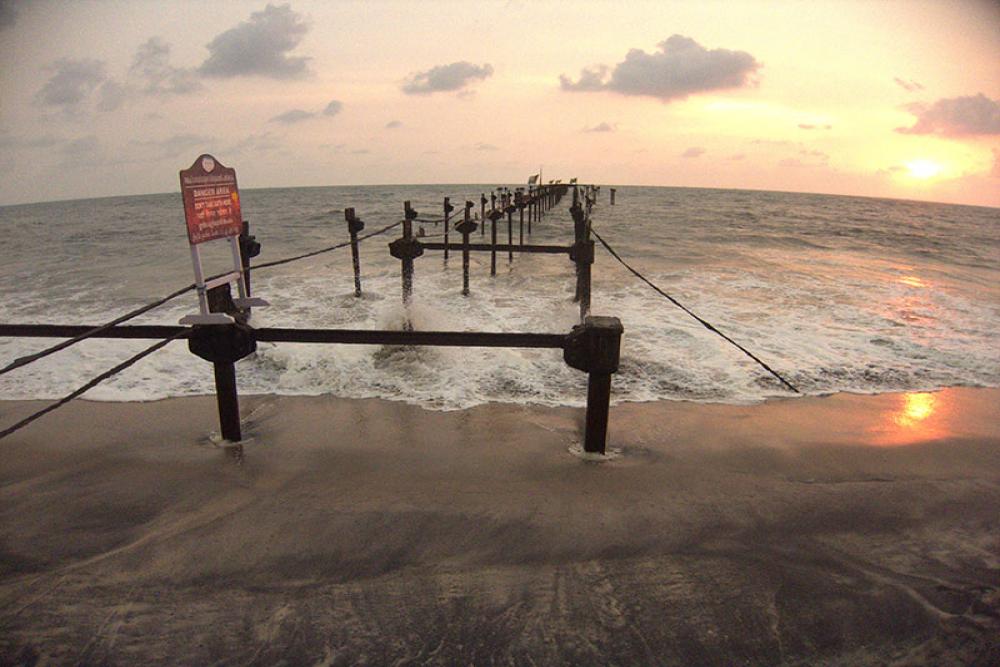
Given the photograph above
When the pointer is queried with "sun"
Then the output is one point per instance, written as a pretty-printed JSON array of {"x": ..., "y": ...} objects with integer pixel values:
[{"x": 923, "y": 169}]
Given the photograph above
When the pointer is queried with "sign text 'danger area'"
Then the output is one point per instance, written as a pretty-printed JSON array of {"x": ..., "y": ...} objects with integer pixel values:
[{"x": 211, "y": 200}]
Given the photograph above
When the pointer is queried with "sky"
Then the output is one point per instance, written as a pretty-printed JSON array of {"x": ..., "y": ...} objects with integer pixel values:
[{"x": 874, "y": 98}]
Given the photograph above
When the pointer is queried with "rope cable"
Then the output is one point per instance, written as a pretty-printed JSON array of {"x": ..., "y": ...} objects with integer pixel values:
[
  {"x": 687, "y": 310},
  {"x": 92, "y": 383}
]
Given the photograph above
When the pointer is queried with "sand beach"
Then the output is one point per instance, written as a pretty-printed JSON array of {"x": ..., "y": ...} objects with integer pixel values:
[{"x": 848, "y": 529}]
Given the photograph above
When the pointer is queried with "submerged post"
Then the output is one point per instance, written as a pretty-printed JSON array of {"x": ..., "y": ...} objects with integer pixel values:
[
  {"x": 466, "y": 227},
  {"x": 354, "y": 225},
  {"x": 482, "y": 213},
  {"x": 595, "y": 347},
  {"x": 509, "y": 209},
  {"x": 519, "y": 203},
  {"x": 494, "y": 216},
  {"x": 224, "y": 345},
  {"x": 448, "y": 208},
  {"x": 583, "y": 254},
  {"x": 406, "y": 249},
  {"x": 612, "y": 196}
]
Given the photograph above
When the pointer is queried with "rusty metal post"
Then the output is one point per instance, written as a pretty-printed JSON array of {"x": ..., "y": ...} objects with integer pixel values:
[
  {"x": 519, "y": 202},
  {"x": 482, "y": 213},
  {"x": 448, "y": 208},
  {"x": 408, "y": 215},
  {"x": 466, "y": 227},
  {"x": 510, "y": 208},
  {"x": 493, "y": 242},
  {"x": 595, "y": 348},
  {"x": 354, "y": 225}
]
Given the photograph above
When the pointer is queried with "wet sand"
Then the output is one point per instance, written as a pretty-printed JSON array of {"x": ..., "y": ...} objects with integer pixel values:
[{"x": 842, "y": 530}]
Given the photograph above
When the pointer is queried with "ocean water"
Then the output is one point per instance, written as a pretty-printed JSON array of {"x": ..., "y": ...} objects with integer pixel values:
[{"x": 836, "y": 293}]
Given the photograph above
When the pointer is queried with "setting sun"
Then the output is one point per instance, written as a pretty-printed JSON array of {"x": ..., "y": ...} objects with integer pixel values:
[{"x": 923, "y": 169}]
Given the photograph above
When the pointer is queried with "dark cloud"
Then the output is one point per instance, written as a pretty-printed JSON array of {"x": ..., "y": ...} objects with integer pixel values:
[
  {"x": 259, "y": 46},
  {"x": 910, "y": 86},
  {"x": 8, "y": 13},
  {"x": 682, "y": 67},
  {"x": 292, "y": 117},
  {"x": 444, "y": 78},
  {"x": 600, "y": 127},
  {"x": 157, "y": 76},
  {"x": 955, "y": 116},
  {"x": 110, "y": 96},
  {"x": 9, "y": 142},
  {"x": 72, "y": 83},
  {"x": 590, "y": 79},
  {"x": 810, "y": 126},
  {"x": 393, "y": 124},
  {"x": 694, "y": 151},
  {"x": 333, "y": 108}
]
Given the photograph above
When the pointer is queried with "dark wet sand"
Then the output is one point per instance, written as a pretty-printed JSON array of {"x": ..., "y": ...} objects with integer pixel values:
[{"x": 847, "y": 530}]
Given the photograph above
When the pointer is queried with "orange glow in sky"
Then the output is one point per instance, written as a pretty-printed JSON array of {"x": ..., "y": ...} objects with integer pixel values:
[{"x": 888, "y": 98}]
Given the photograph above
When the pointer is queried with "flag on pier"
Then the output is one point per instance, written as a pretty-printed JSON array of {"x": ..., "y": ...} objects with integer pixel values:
[{"x": 533, "y": 179}]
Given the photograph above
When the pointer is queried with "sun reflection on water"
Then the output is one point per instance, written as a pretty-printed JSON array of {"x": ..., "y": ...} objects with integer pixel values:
[{"x": 914, "y": 417}]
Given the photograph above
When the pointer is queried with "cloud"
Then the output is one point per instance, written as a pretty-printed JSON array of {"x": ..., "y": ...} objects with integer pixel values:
[
  {"x": 259, "y": 47},
  {"x": 333, "y": 108},
  {"x": 360, "y": 151},
  {"x": 292, "y": 117},
  {"x": 810, "y": 126},
  {"x": 590, "y": 79},
  {"x": 682, "y": 67},
  {"x": 694, "y": 151},
  {"x": 485, "y": 147},
  {"x": 600, "y": 127},
  {"x": 72, "y": 83},
  {"x": 175, "y": 145},
  {"x": 257, "y": 143},
  {"x": 955, "y": 116},
  {"x": 444, "y": 78},
  {"x": 910, "y": 86},
  {"x": 9, "y": 142},
  {"x": 393, "y": 124},
  {"x": 737, "y": 156},
  {"x": 995, "y": 173},
  {"x": 110, "y": 96},
  {"x": 8, "y": 13},
  {"x": 820, "y": 155},
  {"x": 82, "y": 151},
  {"x": 151, "y": 66}
]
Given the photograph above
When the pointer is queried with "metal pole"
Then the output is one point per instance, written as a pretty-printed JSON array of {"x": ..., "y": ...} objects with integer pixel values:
[
  {"x": 493, "y": 239},
  {"x": 354, "y": 226},
  {"x": 408, "y": 215},
  {"x": 448, "y": 208},
  {"x": 228, "y": 400},
  {"x": 510, "y": 230},
  {"x": 482, "y": 213},
  {"x": 465, "y": 248}
]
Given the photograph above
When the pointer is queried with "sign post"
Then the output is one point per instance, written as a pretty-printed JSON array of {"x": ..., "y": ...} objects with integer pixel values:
[{"x": 212, "y": 211}]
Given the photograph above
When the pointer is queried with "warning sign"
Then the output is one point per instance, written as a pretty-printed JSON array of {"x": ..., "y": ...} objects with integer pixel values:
[{"x": 211, "y": 201}]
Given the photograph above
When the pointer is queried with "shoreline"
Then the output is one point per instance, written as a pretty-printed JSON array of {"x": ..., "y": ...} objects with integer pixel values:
[{"x": 849, "y": 528}]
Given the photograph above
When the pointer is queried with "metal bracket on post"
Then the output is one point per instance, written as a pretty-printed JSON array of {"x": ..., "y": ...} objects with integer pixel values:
[
  {"x": 595, "y": 348},
  {"x": 224, "y": 346},
  {"x": 466, "y": 227}
]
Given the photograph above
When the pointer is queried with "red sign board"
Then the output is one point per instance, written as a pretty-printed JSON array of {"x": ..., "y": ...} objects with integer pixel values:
[{"x": 211, "y": 201}]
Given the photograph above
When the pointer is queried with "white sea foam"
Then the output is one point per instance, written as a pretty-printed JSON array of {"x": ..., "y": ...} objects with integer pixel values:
[{"x": 830, "y": 312}]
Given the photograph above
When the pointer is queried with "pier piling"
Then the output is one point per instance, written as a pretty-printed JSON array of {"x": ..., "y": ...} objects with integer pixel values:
[{"x": 354, "y": 225}]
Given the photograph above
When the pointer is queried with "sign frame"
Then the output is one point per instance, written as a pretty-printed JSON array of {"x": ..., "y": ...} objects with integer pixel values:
[{"x": 212, "y": 212}]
